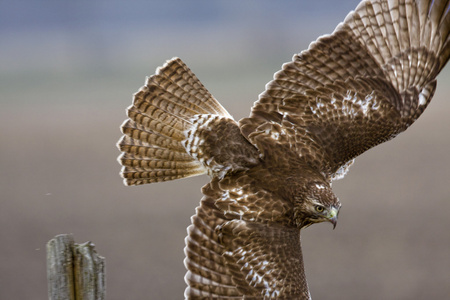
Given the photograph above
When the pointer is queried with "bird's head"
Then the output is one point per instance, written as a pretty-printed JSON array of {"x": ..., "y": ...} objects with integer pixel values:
[{"x": 316, "y": 203}]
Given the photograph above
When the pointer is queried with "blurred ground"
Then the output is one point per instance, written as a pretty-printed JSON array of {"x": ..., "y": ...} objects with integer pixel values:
[{"x": 68, "y": 71}]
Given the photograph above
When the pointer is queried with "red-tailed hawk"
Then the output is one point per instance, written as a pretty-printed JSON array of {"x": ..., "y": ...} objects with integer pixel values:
[{"x": 271, "y": 173}]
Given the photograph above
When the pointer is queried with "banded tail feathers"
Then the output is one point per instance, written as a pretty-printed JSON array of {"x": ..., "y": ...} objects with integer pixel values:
[{"x": 164, "y": 135}]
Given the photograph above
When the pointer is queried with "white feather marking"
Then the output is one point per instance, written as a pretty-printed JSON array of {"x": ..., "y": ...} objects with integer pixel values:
[
  {"x": 275, "y": 135},
  {"x": 422, "y": 99},
  {"x": 320, "y": 186}
]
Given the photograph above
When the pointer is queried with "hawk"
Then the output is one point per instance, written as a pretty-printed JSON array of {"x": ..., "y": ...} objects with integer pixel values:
[{"x": 271, "y": 172}]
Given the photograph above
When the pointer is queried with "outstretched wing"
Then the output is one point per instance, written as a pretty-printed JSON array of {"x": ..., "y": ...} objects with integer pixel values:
[
  {"x": 356, "y": 88},
  {"x": 241, "y": 243}
]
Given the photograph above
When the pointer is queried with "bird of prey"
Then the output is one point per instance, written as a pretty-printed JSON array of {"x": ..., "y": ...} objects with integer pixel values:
[{"x": 271, "y": 172}]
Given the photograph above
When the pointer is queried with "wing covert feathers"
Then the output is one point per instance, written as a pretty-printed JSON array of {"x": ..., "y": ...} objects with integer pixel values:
[
  {"x": 162, "y": 111},
  {"x": 233, "y": 252}
]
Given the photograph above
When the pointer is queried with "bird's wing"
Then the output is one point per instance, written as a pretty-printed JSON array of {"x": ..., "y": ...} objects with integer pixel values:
[
  {"x": 241, "y": 243},
  {"x": 356, "y": 88}
]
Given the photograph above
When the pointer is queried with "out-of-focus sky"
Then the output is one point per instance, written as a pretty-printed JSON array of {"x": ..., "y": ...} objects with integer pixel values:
[
  {"x": 62, "y": 39},
  {"x": 68, "y": 70},
  {"x": 61, "y": 34}
]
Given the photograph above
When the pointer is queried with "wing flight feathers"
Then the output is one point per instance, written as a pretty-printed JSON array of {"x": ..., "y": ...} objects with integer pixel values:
[{"x": 356, "y": 88}]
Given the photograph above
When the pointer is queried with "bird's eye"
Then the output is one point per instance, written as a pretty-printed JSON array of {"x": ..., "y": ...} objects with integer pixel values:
[{"x": 319, "y": 208}]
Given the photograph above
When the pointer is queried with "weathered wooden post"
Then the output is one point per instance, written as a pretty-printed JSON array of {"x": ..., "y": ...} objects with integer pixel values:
[{"x": 74, "y": 271}]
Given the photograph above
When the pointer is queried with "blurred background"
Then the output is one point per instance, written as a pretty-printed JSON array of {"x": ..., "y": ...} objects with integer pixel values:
[{"x": 68, "y": 70}]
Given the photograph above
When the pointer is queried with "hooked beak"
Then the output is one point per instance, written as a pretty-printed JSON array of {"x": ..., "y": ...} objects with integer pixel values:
[
  {"x": 333, "y": 221},
  {"x": 332, "y": 216}
]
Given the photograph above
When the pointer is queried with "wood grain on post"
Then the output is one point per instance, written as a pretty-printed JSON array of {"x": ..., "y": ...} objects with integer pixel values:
[{"x": 74, "y": 271}]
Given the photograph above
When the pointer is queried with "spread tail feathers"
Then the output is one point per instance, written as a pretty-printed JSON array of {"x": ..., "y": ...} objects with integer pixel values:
[{"x": 160, "y": 114}]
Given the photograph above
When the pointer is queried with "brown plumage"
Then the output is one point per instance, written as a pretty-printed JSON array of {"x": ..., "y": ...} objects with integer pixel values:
[{"x": 271, "y": 173}]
